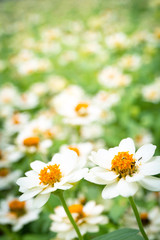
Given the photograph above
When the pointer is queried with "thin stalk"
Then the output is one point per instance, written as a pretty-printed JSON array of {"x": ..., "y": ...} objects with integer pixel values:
[
  {"x": 60, "y": 195},
  {"x": 136, "y": 213}
]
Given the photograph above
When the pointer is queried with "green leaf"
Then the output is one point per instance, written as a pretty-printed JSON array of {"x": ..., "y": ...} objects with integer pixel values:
[{"x": 121, "y": 234}]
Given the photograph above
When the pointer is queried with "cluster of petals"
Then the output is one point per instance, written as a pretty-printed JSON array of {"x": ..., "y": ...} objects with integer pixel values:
[
  {"x": 70, "y": 172},
  {"x": 9, "y": 216},
  {"x": 145, "y": 166},
  {"x": 87, "y": 217}
]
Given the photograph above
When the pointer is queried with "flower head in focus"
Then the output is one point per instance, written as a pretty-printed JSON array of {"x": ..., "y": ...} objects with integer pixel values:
[
  {"x": 87, "y": 217},
  {"x": 121, "y": 169},
  {"x": 60, "y": 173}
]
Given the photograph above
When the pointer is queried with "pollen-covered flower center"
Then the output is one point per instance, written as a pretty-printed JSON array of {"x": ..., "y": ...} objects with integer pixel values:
[
  {"x": 31, "y": 141},
  {"x": 82, "y": 109},
  {"x": 75, "y": 149},
  {"x": 123, "y": 164},
  {"x": 50, "y": 175},
  {"x": 17, "y": 208},
  {"x": 77, "y": 208}
]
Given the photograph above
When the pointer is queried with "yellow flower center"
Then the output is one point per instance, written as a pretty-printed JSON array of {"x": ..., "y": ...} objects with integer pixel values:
[
  {"x": 77, "y": 208},
  {"x": 31, "y": 141},
  {"x": 123, "y": 164},
  {"x": 4, "y": 172},
  {"x": 50, "y": 175},
  {"x": 75, "y": 149},
  {"x": 82, "y": 109},
  {"x": 15, "y": 119},
  {"x": 17, "y": 208}
]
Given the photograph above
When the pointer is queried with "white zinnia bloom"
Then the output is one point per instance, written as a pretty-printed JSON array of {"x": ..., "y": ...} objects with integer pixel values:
[
  {"x": 17, "y": 213},
  {"x": 7, "y": 177},
  {"x": 112, "y": 77},
  {"x": 60, "y": 173},
  {"x": 81, "y": 149},
  {"x": 121, "y": 169},
  {"x": 87, "y": 218},
  {"x": 150, "y": 220}
]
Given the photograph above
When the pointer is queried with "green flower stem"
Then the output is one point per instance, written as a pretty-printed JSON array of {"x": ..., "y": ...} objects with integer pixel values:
[
  {"x": 59, "y": 193},
  {"x": 138, "y": 218}
]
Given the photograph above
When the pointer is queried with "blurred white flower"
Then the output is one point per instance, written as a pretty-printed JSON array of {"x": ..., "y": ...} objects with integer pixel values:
[
  {"x": 121, "y": 169},
  {"x": 112, "y": 77},
  {"x": 36, "y": 136},
  {"x": 8, "y": 95},
  {"x": 8, "y": 177},
  {"x": 17, "y": 213},
  {"x": 117, "y": 41},
  {"x": 87, "y": 217},
  {"x": 63, "y": 170},
  {"x": 16, "y": 122},
  {"x": 27, "y": 100},
  {"x": 151, "y": 92},
  {"x": 150, "y": 220},
  {"x": 9, "y": 155},
  {"x": 81, "y": 149},
  {"x": 131, "y": 62}
]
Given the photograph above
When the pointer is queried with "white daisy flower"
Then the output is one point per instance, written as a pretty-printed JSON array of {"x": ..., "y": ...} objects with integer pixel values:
[
  {"x": 87, "y": 217},
  {"x": 17, "y": 213},
  {"x": 151, "y": 91},
  {"x": 16, "y": 122},
  {"x": 117, "y": 41},
  {"x": 9, "y": 155},
  {"x": 112, "y": 77},
  {"x": 7, "y": 177},
  {"x": 60, "y": 173},
  {"x": 150, "y": 220},
  {"x": 121, "y": 169},
  {"x": 81, "y": 149}
]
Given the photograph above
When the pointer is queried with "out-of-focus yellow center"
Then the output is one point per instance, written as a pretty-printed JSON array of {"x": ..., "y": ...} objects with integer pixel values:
[
  {"x": 15, "y": 119},
  {"x": 123, "y": 164},
  {"x": 82, "y": 109},
  {"x": 31, "y": 141},
  {"x": 4, "y": 172},
  {"x": 77, "y": 208},
  {"x": 75, "y": 149},
  {"x": 17, "y": 208},
  {"x": 50, "y": 175}
]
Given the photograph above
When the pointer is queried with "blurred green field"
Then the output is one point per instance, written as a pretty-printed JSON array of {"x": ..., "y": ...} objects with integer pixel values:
[{"x": 71, "y": 39}]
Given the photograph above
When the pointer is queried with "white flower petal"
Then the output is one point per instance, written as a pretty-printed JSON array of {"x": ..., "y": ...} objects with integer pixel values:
[
  {"x": 68, "y": 161},
  {"x": 103, "y": 158},
  {"x": 37, "y": 166},
  {"x": 151, "y": 183},
  {"x": 127, "y": 189},
  {"x": 40, "y": 200},
  {"x": 29, "y": 194},
  {"x": 145, "y": 153},
  {"x": 106, "y": 175},
  {"x": 135, "y": 178},
  {"x": 110, "y": 191},
  {"x": 77, "y": 175},
  {"x": 126, "y": 145},
  {"x": 28, "y": 182},
  {"x": 91, "y": 177},
  {"x": 152, "y": 167}
]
